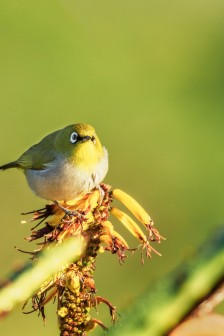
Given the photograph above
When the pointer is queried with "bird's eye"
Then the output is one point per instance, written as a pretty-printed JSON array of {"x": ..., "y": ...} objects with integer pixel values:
[{"x": 74, "y": 137}]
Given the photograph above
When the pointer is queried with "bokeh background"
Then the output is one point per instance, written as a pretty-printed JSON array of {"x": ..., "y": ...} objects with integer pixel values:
[{"x": 149, "y": 76}]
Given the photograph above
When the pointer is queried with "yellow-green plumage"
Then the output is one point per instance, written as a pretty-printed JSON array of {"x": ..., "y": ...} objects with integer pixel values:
[{"x": 58, "y": 169}]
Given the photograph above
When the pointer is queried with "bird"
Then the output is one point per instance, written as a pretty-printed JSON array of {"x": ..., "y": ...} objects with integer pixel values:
[{"x": 65, "y": 164}]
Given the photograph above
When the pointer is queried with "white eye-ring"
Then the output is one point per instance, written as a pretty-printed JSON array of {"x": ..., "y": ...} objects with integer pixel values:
[{"x": 74, "y": 137}]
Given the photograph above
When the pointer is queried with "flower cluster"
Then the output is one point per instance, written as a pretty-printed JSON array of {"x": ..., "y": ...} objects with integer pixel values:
[{"x": 88, "y": 217}]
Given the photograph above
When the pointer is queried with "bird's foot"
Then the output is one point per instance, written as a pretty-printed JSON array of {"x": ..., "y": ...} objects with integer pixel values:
[
  {"x": 67, "y": 211},
  {"x": 102, "y": 193}
]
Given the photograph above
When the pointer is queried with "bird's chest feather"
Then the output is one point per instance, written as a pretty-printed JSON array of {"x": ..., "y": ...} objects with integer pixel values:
[{"x": 62, "y": 180}]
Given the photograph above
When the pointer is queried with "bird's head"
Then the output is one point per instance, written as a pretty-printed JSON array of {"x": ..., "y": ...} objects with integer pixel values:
[{"x": 80, "y": 144}]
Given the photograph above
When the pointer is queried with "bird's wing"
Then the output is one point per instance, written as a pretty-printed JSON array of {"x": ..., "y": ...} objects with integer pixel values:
[{"x": 39, "y": 156}]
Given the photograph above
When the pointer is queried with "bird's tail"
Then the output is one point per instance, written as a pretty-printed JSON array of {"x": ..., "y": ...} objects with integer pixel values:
[{"x": 9, "y": 165}]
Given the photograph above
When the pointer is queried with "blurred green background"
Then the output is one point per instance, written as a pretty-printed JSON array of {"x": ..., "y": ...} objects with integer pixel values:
[{"x": 149, "y": 76}]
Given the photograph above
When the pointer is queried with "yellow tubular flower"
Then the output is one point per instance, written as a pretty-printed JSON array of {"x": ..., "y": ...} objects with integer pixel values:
[{"x": 133, "y": 206}]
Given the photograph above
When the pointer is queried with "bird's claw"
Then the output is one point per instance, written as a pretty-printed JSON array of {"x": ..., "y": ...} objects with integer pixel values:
[{"x": 68, "y": 212}]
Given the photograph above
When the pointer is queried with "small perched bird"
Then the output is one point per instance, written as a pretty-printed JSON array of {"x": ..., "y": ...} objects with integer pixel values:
[{"x": 65, "y": 164}]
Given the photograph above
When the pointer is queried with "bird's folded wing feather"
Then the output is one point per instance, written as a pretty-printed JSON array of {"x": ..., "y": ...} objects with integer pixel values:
[{"x": 39, "y": 156}]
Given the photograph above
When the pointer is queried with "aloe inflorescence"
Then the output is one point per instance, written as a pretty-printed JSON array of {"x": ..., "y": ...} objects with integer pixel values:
[{"x": 88, "y": 218}]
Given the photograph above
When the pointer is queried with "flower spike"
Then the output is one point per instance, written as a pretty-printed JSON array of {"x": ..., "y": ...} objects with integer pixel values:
[{"x": 88, "y": 218}]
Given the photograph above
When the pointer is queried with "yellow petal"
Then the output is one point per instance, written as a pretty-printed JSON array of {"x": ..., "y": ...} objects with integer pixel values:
[
  {"x": 133, "y": 206},
  {"x": 129, "y": 223}
]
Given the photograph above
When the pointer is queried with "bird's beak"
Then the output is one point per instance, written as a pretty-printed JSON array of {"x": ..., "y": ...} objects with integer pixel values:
[{"x": 86, "y": 138}]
